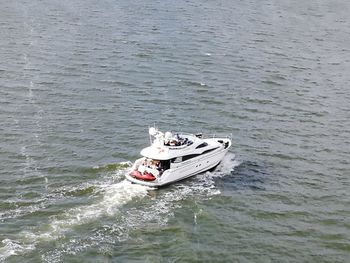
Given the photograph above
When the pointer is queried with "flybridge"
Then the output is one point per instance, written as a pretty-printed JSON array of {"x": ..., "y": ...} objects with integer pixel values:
[{"x": 168, "y": 139}]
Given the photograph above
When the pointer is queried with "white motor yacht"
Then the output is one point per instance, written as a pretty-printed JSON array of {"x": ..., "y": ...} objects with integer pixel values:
[{"x": 173, "y": 157}]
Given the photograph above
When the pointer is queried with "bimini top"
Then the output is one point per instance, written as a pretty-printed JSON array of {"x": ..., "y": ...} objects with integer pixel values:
[{"x": 168, "y": 146}]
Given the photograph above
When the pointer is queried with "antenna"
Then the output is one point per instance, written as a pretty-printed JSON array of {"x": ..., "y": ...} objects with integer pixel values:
[
  {"x": 150, "y": 136},
  {"x": 178, "y": 128}
]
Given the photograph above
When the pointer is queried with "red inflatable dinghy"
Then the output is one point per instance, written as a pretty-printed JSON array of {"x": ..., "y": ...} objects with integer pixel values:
[{"x": 145, "y": 176}]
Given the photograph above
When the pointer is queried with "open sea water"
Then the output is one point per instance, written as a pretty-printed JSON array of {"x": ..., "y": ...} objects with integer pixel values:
[{"x": 81, "y": 82}]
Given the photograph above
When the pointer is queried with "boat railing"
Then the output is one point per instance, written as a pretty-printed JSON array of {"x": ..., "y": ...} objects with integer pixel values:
[{"x": 210, "y": 136}]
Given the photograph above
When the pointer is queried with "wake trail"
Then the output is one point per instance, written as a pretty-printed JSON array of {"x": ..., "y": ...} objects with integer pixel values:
[
  {"x": 115, "y": 196},
  {"x": 112, "y": 197}
]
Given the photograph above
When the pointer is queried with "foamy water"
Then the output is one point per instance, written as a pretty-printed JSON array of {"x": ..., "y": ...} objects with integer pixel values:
[{"x": 110, "y": 197}]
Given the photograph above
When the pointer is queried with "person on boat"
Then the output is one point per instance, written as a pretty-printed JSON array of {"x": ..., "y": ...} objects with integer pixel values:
[
  {"x": 155, "y": 163},
  {"x": 173, "y": 142},
  {"x": 145, "y": 162}
]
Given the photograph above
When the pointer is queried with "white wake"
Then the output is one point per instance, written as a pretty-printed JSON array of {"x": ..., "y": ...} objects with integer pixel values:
[{"x": 158, "y": 209}]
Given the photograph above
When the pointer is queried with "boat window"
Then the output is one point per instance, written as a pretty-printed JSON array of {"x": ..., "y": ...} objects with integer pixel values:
[
  {"x": 190, "y": 156},
  {"x": 204, "y": 144},
  {"x": 165, "y": 164},
  {"x": 187, "y": 157},
  {"x": 183, "y": 158},
  {"x": 210, "y": 150},
  {"x": 177, "y": 160},
  {"x": 188, "y": 143}
]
